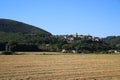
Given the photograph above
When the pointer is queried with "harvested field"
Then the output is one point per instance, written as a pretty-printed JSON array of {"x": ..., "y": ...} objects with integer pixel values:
[{"x": 60, "y": 67}]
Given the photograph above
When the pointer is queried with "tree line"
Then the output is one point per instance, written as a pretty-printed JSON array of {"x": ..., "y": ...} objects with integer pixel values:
[{"x": 30, "y": 42}]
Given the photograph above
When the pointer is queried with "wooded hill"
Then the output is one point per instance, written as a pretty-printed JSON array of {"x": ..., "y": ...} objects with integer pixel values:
[
  {"x": 114, "y": 41},
  {"x": 22, "y": 35},
  {"x": 7, "y": 25},
  {"x": 19, "y": 36}
]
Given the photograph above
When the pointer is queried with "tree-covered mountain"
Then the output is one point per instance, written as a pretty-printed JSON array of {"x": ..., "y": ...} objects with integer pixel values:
[
  {"x": 114, "y": 41},
  {"x": 24, "y": 36},
  {"x": 7, "y": 25},
  {"x": 18, "y": 36}
]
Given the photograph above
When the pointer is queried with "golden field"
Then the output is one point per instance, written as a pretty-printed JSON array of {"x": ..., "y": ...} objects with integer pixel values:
[{"x": 60, "y": 67}]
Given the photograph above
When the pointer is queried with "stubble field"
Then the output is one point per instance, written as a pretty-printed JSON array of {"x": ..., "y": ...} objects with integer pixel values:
[{"x": 60, "y": 67}]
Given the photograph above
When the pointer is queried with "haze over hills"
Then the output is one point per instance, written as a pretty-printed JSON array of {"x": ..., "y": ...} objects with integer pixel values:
[{"x": 7, "y": 25}]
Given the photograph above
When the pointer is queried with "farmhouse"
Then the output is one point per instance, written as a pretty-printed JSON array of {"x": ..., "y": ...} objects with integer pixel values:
[
  {"x": 113, "y": 51},
  {"x": 69, "y": 51}
]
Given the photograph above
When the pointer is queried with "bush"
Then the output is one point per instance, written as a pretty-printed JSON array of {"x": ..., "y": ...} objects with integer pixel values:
[{"x": 7, "y": 53}]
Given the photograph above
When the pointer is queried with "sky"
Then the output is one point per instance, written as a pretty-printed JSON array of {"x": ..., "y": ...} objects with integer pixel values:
[{"x": 87, "y": 17}]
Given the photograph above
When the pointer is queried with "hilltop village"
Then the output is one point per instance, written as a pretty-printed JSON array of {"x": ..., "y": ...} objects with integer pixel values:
[
  {"x": 17, "y": 36},
  {"x": 79, "y": 43},
  {"x": 73, "y": 37}
]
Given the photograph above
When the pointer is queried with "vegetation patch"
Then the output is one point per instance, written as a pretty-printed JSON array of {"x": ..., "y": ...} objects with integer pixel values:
[{"x": 7, "y": 53}]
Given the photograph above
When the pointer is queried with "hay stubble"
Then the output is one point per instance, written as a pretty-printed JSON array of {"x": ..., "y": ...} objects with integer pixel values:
[{"x": 60, "y": 67}]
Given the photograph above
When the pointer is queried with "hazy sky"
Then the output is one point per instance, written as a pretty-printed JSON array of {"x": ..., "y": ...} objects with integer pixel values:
[{"x": 89, "y": 17}]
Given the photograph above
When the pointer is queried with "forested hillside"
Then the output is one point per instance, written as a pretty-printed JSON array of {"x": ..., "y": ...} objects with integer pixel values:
[
  {"x": 21, "y": 35},
  {"x": 114, "y": 41},
  {"x": 18, "y": 36},
  {"x": 7, "y": 25}
]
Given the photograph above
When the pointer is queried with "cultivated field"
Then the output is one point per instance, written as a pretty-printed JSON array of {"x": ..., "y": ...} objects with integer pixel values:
[{"x": 60, "y": 67}]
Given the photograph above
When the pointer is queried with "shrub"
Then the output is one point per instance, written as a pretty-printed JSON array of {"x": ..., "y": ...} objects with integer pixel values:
[{"x": 7, "y": 53}]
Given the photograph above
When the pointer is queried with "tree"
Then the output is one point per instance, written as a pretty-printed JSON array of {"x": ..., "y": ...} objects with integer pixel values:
[{"x": 10, "y": 46}]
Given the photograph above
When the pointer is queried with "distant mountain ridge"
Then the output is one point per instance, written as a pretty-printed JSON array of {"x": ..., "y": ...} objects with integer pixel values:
[{"x": 7, "y": 25}]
